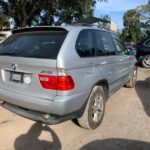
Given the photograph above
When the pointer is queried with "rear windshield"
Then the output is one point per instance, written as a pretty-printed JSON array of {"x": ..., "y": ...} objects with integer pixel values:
[{"x": 39, "y": 44}]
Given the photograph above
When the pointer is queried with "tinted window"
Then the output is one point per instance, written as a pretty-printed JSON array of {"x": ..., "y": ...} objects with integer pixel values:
[
  {"x": 107, "y": 43},
  {"x": 147, "y": 43},
  {"x": 100, "y": 47},
  {"x": 85, "y": 44},
  {"x": 119, "y": 47},
  {"x": 41, "y": 44}
]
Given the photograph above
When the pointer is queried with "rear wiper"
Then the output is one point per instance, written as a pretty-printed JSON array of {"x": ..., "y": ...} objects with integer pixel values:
[{"x": 11, "y": 53}]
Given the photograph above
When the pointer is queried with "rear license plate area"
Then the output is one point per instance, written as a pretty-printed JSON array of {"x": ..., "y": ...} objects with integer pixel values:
[{"x": 16, "y": 77}]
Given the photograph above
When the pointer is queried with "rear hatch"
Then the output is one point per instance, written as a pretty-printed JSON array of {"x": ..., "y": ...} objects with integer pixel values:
[{"x": 25, "y": 55}]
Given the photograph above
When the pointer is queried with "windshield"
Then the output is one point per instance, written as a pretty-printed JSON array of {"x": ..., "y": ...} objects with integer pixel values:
[{"x": 39, "y": 44}]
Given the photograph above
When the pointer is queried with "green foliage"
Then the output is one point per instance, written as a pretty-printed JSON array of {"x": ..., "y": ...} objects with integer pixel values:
[
  {"x": 46, "y": 12},
  {"x": 22, "y": 11},
  {"x": 104, "y": 25},
  {"x": 131, "y": 31},
  {"x": 136, "y": 23},
  {"x": 131, "y": 19}
]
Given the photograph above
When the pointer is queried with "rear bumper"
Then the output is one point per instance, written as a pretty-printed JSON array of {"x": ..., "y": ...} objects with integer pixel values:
[
  {"x": 61, "y": 105},
  {"x": 36, "y": 116}
]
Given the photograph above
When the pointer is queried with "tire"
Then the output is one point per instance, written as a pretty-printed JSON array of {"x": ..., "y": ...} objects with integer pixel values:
[
  {"x": 132, "y": 81},
  {"x": 91, "y": 118},
  {"x": 145, "y": 62}
]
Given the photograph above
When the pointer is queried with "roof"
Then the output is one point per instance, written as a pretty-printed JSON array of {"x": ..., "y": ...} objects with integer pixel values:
[
  {"x": 48, "y": 28},
  {"x": 56, "y": 28}
]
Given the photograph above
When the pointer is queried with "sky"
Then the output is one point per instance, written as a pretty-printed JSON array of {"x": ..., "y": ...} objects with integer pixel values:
[{"x": 116, "y": 9}]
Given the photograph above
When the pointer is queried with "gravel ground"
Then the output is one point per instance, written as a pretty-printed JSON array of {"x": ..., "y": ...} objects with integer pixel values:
[{"x": 126, "y": 126}]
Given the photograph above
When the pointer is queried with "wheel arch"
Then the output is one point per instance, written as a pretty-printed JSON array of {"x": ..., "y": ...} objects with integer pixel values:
[{"x": 105, "y": 85}]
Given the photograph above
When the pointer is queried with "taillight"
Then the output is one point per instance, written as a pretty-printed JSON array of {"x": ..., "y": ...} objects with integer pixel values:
[{"x": 62, "y": 83}]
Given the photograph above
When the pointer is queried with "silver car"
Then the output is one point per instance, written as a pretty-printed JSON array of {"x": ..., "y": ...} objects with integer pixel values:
[{"x": 54, "y": 74}]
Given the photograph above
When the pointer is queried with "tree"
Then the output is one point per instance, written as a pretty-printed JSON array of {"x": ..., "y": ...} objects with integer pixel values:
[
  {"x": 104, "y": 25},
  {"x": 132, "y": 26},
  {"x": 144, "y": 12},
  {"x": 66, "y": 11},
  {"x": 22, "y": 11},
  {"x": 46, "y": 12},
  {"x": 4, "y": 21},
  {"x": 137, "y": 23}
]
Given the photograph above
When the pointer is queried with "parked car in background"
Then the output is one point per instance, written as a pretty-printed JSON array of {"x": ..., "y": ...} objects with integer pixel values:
[
  {"x": 143, "y": 52},
  {"x": 54, "y": 74},
  {"x": 129, "y": 45}
]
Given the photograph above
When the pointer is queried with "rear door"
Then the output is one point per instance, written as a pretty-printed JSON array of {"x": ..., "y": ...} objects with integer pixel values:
[
  {"x": 27, "y": 54},
  {"x": 108, "y": 61}
]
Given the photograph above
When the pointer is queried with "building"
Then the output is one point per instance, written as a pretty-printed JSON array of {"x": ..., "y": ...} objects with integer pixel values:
[{"x": 113, "y": 27}]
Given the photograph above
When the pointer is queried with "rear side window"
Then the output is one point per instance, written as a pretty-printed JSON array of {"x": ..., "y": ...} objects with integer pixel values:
[
  {"x": 85, "y": 46},
  {"x": 107, "y": 43},
  {"x": 37, "y": 44},
  {"x": 119, "y": 45}
]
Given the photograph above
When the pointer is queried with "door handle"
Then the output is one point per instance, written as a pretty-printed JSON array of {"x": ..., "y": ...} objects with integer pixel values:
[{"x": 121, "y": 60}]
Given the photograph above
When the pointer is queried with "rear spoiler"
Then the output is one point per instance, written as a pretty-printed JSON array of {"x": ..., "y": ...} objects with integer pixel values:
[{"x": 32, "y": 29}]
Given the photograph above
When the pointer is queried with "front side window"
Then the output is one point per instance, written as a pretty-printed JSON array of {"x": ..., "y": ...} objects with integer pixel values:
[
  {"x": 85, "y": 44},
  {"x": 37, "y": 44},
  {"x": 119, "y": 47}
]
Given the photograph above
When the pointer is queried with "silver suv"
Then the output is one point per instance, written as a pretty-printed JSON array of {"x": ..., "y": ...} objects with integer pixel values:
[{"x": 54, "y": 74}]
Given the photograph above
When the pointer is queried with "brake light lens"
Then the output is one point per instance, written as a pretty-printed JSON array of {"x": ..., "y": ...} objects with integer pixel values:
[{"x": 62, "y": 83}]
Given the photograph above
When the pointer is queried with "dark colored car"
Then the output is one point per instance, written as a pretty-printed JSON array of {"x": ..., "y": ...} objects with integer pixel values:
[{"x": 143, "y": 52}]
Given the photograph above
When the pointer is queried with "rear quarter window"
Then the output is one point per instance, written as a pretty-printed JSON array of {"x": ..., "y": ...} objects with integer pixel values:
[{"x": 85, "y": 46}]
